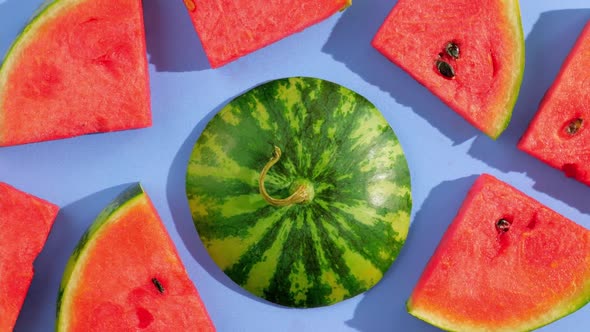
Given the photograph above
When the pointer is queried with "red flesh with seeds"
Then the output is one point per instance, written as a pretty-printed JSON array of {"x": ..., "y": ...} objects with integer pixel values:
[
  {"x": 567, "y": 100},
  {"x": 482, "y": 278},
  {"x": 489, "y": 70},
  {"x": 116, "y": 284}
]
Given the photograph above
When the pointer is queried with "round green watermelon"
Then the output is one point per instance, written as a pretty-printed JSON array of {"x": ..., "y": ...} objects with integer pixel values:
[{"x": 300, "y": 191}]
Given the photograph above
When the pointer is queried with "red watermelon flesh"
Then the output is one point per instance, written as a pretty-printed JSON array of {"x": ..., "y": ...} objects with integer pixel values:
[
  {"x": 79, "y": 67},
  {"x": 230, "y": 29},
  {"x": 25, "y": 222},
  {"x": 558, "y": 134},
  {"x": 506, "y": 263},
  {"x": 486, "y": 54},
  {"x": 126, "y": 275}
]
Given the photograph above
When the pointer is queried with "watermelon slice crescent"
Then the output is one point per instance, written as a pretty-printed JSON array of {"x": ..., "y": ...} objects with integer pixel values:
[
  {"x": 79, "y": 67},
  {"x": 506, "y": 263},
  {"x": 25, "y": 222},
  {"x": 559, "y": 135},
  {"x": 469, "y": 53},
  {"x": 126, "y": 275},
  {"x": 231, "y": 29}
]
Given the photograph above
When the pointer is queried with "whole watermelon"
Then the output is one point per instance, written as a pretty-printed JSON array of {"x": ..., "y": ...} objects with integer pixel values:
[{"x": 300, "y": 191}]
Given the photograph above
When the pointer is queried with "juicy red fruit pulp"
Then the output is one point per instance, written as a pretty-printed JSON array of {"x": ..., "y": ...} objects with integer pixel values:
[
  {"x": 25, "y": 223},
  {"x": 79, "y": 68},
  {"x": 129, "y": 277},
  {"x": 231, "y": 29},
  {"x": 506, "y": 263},
  {"x": 558, "y": 134},
  {"x": 468, "y": 53}
]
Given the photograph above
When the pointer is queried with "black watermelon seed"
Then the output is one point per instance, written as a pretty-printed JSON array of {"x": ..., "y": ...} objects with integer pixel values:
[
  {"x": 574, "y": 126},
  {"x": 452, "y": 50},
  {"x": 445, "y": 69},
  {"x": 158, "y": 285},
  {"x": 503, "y": 225}
]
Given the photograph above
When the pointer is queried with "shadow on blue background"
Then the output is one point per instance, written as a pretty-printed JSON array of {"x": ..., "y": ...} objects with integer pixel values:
[
  {"x": 547, "y": 45},
  {"x": 177, "y": 200},
  {"x": 50, "y": 264},
  {"x": 385, "y": 304},
  {"x": 352, "y": 47},
  {"x": 11, "y": 10},
  {"x": 172, "y": 43}
]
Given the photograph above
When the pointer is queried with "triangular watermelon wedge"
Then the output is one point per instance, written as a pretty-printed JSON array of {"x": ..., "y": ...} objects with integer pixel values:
[
  {"x": 79, "y": 67},
  {"x": 469, "y": 53},
  {"x": 25, "y": 223},
  {"x": 506, "y": 263},
  {"x": 126, "y": 275},
  {"x": 559, "y": 133},
  {"x": 231, "y": 29}
]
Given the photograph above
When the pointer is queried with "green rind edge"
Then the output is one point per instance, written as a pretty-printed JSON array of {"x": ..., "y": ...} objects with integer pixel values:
[
  {"x": 122, "y": 202},
  {"x": 409, "y": 310},
  {"x": 348, "y": 4},
  {"x": 518, "y": 83},
  {"x": 43, "y": 8},
  {"x": 579, "y": 305},
  {"x": 20, "y": 39},
  {"x": 584, "y": 299}
]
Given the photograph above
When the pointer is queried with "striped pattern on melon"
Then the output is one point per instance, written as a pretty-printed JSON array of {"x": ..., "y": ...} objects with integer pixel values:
[{"x": 336, "y": 144}]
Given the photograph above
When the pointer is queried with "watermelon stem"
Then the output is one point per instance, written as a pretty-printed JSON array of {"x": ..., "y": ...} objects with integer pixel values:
[{"x": 300, "y": 195}]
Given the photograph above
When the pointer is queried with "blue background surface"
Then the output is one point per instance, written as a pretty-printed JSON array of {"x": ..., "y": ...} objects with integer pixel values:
[{"x": 444, "y": 153}]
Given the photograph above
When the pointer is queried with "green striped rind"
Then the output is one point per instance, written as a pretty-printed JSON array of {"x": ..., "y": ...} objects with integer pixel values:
[
  {"x": 313, "y": 254},
  {"x": 121, "y": 204}
]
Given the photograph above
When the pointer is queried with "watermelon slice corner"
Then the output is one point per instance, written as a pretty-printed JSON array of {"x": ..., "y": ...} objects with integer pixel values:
[
  {"x": 25, "y": 224},
  {"x": 229, "y": 30},
  {"x": 506, "y": 263},
  {"x": 126, "y": 275},
  {"x": 558, "y": 134},
  {"x": 469, "y": 53},
  {"x": 78, "y": 67}
]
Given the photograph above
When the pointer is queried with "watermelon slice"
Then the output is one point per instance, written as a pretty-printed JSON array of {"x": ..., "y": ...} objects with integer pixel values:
[
  {"x": 125, "y": 275},
  {"x": 506, "y": 263},
  {"x": 79, "y": 67},
  {"x": 469, "y": 53},
  {"x": 558, "y": 135},
  {"x": 231, "y": 29},
  {"x": 25, "y": 222}
]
